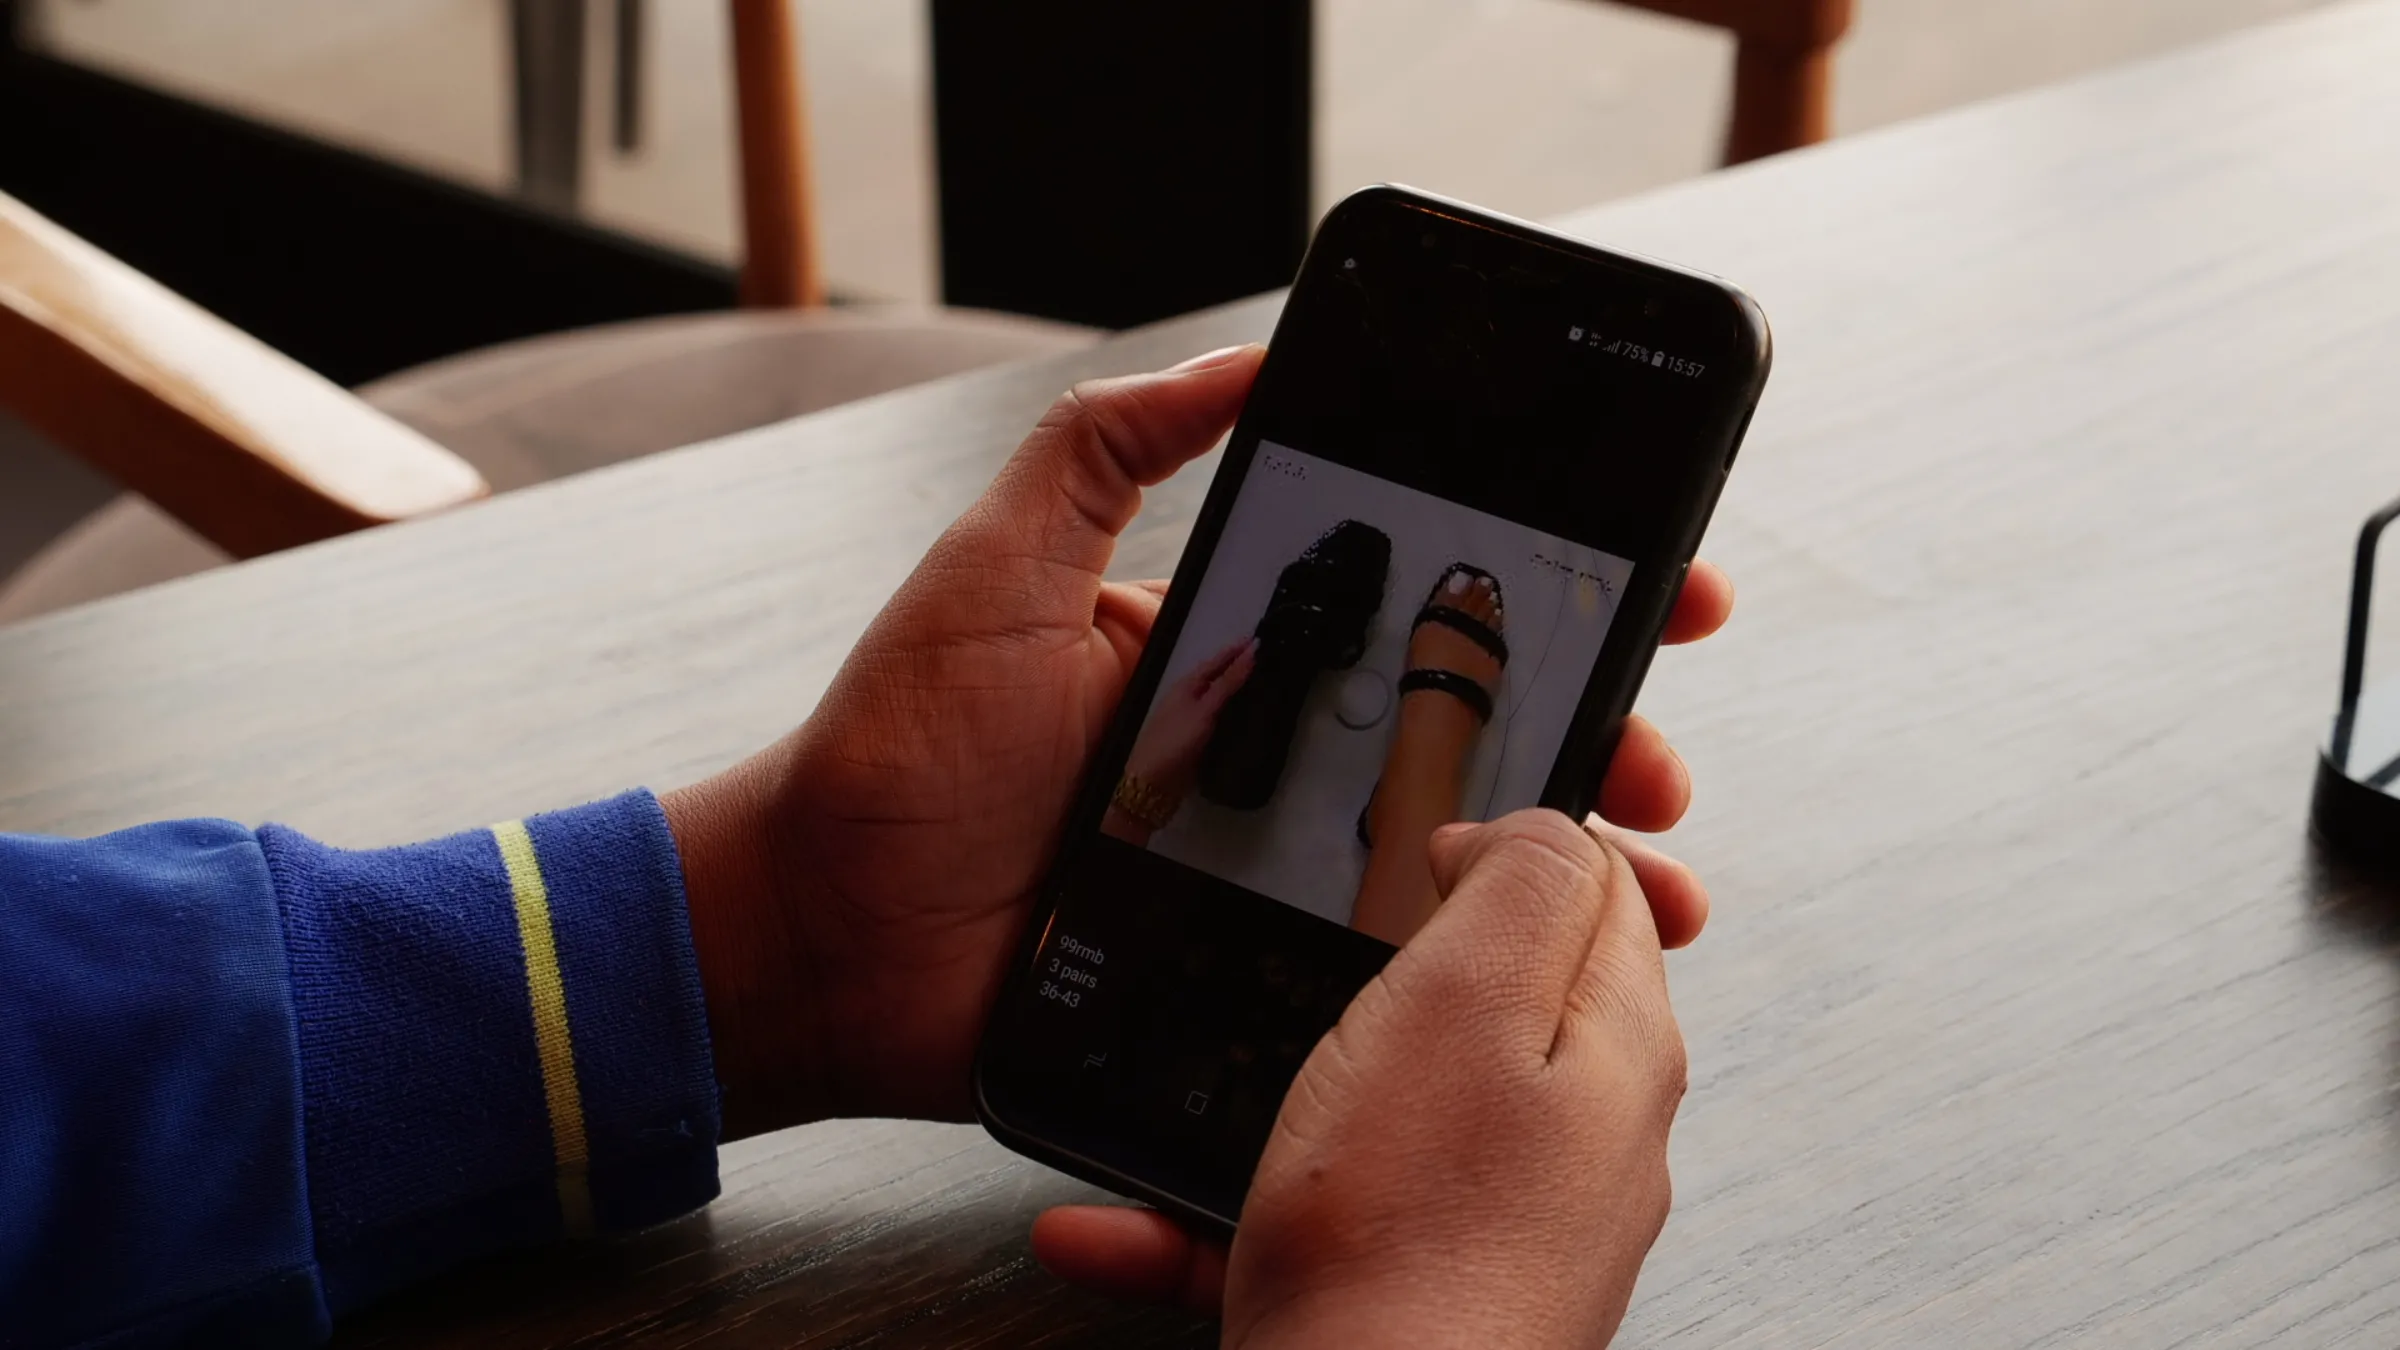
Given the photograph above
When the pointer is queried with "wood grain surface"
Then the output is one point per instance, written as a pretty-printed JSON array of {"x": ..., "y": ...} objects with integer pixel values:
[{"x": 2029, "y": 1017}]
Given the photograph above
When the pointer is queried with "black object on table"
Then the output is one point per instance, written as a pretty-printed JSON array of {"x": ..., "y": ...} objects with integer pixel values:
[{"x": 2356, "y": 809}]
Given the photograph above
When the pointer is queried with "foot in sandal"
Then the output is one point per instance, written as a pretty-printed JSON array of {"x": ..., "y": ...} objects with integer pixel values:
[{"x": 1456, "y": 655}]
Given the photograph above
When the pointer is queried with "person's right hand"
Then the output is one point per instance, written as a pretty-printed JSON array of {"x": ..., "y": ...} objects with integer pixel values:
[{"x": 1476, "y": 1154}]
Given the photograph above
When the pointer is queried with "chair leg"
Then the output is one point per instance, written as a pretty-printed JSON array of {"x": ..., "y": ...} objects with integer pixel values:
[
  {"x": 1781, "y": 98},
  {"x": 779, "y": 236},
  {"x": 546, "y": 44}
]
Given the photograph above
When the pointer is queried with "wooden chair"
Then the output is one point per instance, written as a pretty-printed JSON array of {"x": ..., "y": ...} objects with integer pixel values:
[
  {"x": 230, "y": 449},
  {"x": 1782, "y": 67}
]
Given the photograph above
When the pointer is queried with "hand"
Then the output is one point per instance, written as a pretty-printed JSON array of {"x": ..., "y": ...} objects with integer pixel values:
[
  {"x": 1166, "y": 754},
  {"x": 857, "y": 889},
  {"x": 1505, "y": 1196}
]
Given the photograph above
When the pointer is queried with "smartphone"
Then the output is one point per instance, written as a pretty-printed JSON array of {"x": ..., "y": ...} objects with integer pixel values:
[{"x": 1425, "y": 585}]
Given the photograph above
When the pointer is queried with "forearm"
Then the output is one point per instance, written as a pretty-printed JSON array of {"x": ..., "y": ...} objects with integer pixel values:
[
  {"x": 152, "y": 1159},
  {"x": 247, "y": 1081}
]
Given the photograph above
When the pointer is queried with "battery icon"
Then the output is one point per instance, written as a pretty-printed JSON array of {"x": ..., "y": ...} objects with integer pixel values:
[{"x": 1659, "y": 360}]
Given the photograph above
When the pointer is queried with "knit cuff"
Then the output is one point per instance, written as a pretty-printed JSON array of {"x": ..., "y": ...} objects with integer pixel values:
[{"x": 502, "y": 1039}]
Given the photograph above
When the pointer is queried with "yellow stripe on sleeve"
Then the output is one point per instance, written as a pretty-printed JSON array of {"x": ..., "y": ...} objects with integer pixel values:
[{"x": 550, "y": 1033}]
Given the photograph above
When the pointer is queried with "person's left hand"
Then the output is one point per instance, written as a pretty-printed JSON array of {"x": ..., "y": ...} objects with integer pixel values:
[{"x": 857, "y": 889}]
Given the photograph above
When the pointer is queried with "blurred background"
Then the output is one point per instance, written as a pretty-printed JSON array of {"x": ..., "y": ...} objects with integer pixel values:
[
  {"x": 520, "y": 227},
  {"x": 1528, "y": 106}
]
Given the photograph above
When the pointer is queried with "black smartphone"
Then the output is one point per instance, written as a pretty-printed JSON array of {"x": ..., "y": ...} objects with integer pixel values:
[{"x": 1425, "y": 585}]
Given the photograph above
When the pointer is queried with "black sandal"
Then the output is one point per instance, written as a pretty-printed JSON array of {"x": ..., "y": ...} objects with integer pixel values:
[
  {"x": 1317, "y": 620},
  {"x": 1465, "y": 688}
]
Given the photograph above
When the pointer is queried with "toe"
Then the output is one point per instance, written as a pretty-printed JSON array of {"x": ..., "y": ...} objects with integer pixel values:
[
  {"x": 1443, "y": 647},
  {"x": 1483, "y": 600}
]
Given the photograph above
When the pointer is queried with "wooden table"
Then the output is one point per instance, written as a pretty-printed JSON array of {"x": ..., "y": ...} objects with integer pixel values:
[{"x": 2029, "y": 1016}]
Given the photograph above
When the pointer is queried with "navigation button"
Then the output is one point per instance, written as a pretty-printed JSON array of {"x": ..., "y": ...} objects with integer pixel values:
[
  {"x": 1095, "y": 1061},
  {"x": 1196, "y": 1103}
]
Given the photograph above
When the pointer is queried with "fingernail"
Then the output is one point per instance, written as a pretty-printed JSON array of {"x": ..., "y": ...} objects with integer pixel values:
[
  {"x": 1210, "y": 360},
  {"x": 1452, "y": 830}
]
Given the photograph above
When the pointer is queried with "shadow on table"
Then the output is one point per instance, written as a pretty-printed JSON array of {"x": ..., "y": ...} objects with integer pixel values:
[
  {"x": 2357, "y": 902},
  {"x": 2361, "y": 906},
  {"x": 865, "y": 1232}
]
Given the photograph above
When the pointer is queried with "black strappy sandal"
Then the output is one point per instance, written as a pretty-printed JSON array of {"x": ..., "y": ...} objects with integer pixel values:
[
  {"x": 1465, "y": 688},
  {"x": 1317, "y": 620}
]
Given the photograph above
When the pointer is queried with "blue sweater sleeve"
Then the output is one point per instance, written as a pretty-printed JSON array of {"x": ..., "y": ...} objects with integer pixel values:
[
  {"x": 151, "y": 1183},
  {"x": 248, "y": 1081}
]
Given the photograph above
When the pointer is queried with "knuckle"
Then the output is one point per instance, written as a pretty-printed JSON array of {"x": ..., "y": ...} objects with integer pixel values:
[
  {"x": 1093, "y": 413},
  {"x": 1072, "y": 409},
  {"x": 1078, "y": 451},
  {"x": 1541, "y": 853},
  {"x": 1063, "y": 409},
  {"x": 1674, "y": 1070},
  {"x": 1661, "y": 1196}
]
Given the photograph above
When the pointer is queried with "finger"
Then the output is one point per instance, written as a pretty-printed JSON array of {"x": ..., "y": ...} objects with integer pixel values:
[
  {"x": 1130, "y": 1253},
  {"x": 1520, "y": 908},
  {"x": 1703, "y": 605},
  {"x": 1678, "y": 898},
  {"x": 1235, "y": 674},
  {"x": 1078, "y": 478},
  {"x": 1648, "y": 787},
  {"x": 1211, "y": 670}
]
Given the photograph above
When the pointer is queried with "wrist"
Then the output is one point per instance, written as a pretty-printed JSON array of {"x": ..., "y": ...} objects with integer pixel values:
[
  {"x": 752, "y": 973},
  {"x": 1117, "y": 823},
  {"x": 1146, "y": 798}
]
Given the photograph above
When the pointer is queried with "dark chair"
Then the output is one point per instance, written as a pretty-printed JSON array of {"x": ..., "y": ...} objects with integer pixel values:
[{"x": 235, "y": 450}]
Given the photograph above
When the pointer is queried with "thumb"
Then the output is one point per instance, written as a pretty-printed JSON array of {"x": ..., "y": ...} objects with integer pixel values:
[
  {"x": 1078, "y": 478},
  {"x": 1524, "y": 899}
]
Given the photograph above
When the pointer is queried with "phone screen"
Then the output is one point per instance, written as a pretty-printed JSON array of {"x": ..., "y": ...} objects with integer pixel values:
[
  {"x": 1331, "y": 590},
  {"x": 1425, "y": 586}
]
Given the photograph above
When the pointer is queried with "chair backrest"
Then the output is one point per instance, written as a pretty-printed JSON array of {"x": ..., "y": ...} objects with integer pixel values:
[{"x": 252, "y": 450}]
